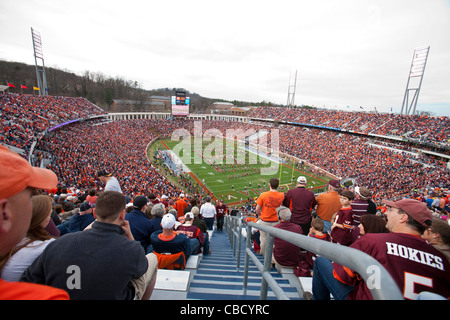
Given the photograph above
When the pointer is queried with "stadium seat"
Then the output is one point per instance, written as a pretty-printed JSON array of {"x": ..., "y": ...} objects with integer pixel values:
[{"x": 173, "y": 280}]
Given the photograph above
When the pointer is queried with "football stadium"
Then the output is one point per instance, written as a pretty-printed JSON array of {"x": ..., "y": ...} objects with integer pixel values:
[{"x": 262, "y": 202}]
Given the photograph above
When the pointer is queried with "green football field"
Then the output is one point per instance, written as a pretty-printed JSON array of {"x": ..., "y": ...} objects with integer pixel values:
[{"x": 239, "y": 175}]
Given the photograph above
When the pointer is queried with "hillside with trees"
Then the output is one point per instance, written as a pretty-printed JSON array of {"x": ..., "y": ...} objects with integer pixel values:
[{"x": 97, "y": 87}]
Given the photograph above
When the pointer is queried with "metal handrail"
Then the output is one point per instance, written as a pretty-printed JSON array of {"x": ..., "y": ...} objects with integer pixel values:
[
  {"x": 352, "y": 258},
  {"x": 233, "y": 225}
]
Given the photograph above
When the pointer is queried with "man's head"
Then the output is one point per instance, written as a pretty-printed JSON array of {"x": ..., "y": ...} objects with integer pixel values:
[
  {"x": 284, "y": 213},
  {"x": 140, "y": 202},
  {"x": 109, "y": 206},
  {"x": 188, "y": 217},
  {"x": 18, "y": 179},
  {"x": 362, "y": 192},
  {"x": 195, "y": 210},
  {"x": 274, "y": 183},
  {"x": 334, "y": 185},
  {"x": 85, "y": 208},
  {"x": 158, "y": 210},
  {"x": 168, "y": 221},
  {"x": 407, "y": 214},
  {"x": 104, "y": 175},
  {"x": 301, "y": 181}
]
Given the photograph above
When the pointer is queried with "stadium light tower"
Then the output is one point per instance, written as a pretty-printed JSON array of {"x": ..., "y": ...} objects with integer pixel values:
[
  {"x": 40, "y": 69},
  {"x": 415, "y": 77},
  {"x": 291, "y": 90}
]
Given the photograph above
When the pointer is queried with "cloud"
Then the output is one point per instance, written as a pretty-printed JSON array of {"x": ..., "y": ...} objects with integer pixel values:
[{"x": 348, "y": 52}]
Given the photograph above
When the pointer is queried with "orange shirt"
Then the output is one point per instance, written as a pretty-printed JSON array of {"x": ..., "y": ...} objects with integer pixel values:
[
  {"x": 327, "y": 205},
  {"x": 269, "y": 201},
  {"x": 180, "y": 205},
  {"x": 30, "y": 291}
]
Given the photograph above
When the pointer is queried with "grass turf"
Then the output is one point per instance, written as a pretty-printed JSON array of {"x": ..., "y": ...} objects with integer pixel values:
[{"x": 245, "y": 176}]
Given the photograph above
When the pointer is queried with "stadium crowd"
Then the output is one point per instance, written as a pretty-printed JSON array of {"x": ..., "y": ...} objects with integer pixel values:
[
  {"x": 419, "y": 127},
  {"x": 24, "y": 116},
  {"x": 77, "y": 152}
]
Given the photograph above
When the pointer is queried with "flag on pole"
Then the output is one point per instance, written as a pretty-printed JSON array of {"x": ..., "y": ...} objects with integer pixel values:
[
  {"x": 23, "y": 87},
  {"x": 11, "y": 85},
  {"x": 35, "y": 88}
]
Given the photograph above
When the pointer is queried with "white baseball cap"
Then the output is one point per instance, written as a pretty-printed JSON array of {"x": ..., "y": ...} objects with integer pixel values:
[
  {"x": 302, "y": 180},
  {"x": 168, "y": 221}
]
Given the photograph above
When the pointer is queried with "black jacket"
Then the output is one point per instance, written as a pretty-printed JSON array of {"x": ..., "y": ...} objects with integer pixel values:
[{"x": 92, "y": 264}]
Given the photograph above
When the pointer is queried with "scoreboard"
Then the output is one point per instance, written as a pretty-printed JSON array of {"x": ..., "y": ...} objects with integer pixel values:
[{"x": 180, "y": 104}]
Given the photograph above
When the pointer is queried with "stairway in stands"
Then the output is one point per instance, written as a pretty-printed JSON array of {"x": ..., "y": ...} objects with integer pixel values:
[{"x": 217, "y": 277}]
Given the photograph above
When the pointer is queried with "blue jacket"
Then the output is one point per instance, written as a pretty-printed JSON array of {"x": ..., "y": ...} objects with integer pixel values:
[
  {"x": 179, "y": 243},
  {"x": 141, "y": 227},
  {"x": 100, "y": 260}
]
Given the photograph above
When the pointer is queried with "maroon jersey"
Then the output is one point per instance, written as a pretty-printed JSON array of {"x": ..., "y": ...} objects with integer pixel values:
[
  {"x": 300, "y": 201},
  {"x": 192, "y": 232},
  {"x": 286, "y": 253},
  {"x": 413, "y": 264},
  {"x": 343, "y": 236},
  {"x": 221, "y": 210}
]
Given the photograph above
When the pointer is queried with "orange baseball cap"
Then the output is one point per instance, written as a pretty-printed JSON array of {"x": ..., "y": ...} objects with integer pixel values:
[{"x": 16, "y": 174}]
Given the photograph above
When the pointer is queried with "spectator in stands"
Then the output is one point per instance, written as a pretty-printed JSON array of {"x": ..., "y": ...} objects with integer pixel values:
[
  {"x": 164, "y": 200},
  {"x": 172, "y": 249},
  {"x": 79, "y": 221},
  {"x": 342, "y": 225},
  {"x": 285, "y": 253},
  {"x": 266, "y": 206},
  {"x": 180, "y": 205},
  {"x": 201, "y": 224},
  {"x": 316, "y": 231},
  {"x": 111, "y": 182},
  {"x": 157, "y": 212},
  {"x": 369, "y": 223},
  {"x": 208, "y": 212},
  {"x": 300, "y": 201},
  {"x": 18, "y": 180},
  {"x": 14, "y": 263},
  {"x": 153, "y": 199},
  {"x": 221, "y": 210},
  {"x": 397, "y": 252},
  {"x": 141, "y": 226},
  {"x": 438, "y": 235},
  {"x": 328, "y": 204},
  {"x": 196, "y": 237},
  {"x": 92, "y": 197},
  {"x": 360, "y": 204},
  {"x": 112, "y": 265}
]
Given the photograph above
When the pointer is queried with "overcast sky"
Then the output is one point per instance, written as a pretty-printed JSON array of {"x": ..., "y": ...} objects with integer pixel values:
[{"x": 347, "y": 53}]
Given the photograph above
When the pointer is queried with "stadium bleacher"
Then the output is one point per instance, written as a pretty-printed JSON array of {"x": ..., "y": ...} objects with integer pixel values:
[{"x": 388, "y": 168}]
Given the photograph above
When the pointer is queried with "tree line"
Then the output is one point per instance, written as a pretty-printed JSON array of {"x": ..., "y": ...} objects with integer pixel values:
[{"x": 97, "y": 87}]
